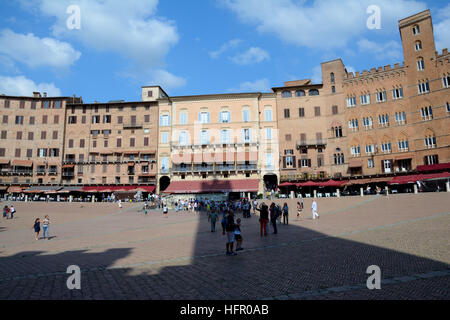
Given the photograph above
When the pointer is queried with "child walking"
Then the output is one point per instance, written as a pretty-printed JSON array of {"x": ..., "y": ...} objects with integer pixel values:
[{"x": 237, "y": 235}]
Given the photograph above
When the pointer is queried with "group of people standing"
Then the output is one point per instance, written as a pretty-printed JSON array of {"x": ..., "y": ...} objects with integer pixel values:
[
  {"x": 8, "y": 213},
  {"x": 274, "y": 212},
  {"x": 45, "y": 227}
]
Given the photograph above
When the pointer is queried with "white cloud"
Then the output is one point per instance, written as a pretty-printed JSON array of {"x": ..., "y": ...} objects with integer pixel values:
[
  {"x": 22, "y": 86},
  {"x": 251, "y": 56},
  {"x": 228, "y": 45},
  {"x": 391, "y": 50},
  {"x": 324, "y": 24},
  {"x": 441, "y": 29},
  {"x": 37, "y": 52},
  {"x": 261, "y": 85},
  {"x": 167, "y": 80},
  {"x": 129, "y": 28}
]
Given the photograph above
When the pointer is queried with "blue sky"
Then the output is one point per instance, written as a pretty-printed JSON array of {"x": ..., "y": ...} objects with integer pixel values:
[{"x": 194, "y": 47}]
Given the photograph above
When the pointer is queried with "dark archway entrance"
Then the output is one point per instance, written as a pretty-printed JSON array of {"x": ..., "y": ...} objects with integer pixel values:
[
  {"x": 164, "y": 182},
  {"x": 270, "y": 182}
]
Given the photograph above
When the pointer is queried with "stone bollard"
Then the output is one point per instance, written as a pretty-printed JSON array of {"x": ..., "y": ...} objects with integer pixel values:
[
  {"x": 448, "y": 186},
  {"x": 70, "y": 198},
  {"x": 338, "y": 193},
  {"x": 93, "y": 198},
  {"x": 387, "y": 190},
  {"x": 315, "y": 194},
  {"x": 26, "y": 198},
  {"x": 292, "y": 195},
  {"x": 362, "y": 192},
  {"x": 416, "y": 191}
]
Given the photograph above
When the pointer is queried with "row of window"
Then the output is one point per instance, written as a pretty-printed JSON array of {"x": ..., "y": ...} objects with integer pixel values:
[
  {"x": 386, "y": 147},
  {"x": 380, "y": 96},
  {"x": 205, "y": 118},
  {"x": 107, "y": 108},
  {"x": 204, "y": 137},
  {"x": 19, "y": 135},
  {"x": 20, "y": 120},
  {"x": 106, "y": 119},
  {"x": 299, "y": 93},
  {"x": 47, "y": 104},
  {"x": 82, "y": 143},
  {"x": 41, "y": 153},
  {"x": 106, "y": 158}
]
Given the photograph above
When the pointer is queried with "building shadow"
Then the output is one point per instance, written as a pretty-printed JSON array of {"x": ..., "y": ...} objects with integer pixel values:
[{"x": 311, "y": 265}]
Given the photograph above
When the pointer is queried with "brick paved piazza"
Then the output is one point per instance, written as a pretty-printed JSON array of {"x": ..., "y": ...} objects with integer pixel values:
[{"x": 126, "y": 255}]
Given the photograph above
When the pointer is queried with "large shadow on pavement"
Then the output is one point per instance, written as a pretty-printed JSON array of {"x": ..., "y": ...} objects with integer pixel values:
[{"x": 310, "y": 265}]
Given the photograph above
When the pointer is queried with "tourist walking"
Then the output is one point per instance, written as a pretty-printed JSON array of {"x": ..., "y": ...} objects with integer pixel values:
[
  {"x": 255, "y": 205},
  {"x": 212, "y": 217},
  {"x": 229, "y": 228},
  {"x": 45, "y": 226},
  {"x": 299, "y": 210},
  {"x": 273, "y": 217},
  {"x": 12, "y": 211},
  {"x": 279, "y": 213},
  {"x": 5, "y": 212},
  {"x": 263, "y": 218},
  {"x": 37, "y": 227},
  {"x": 237, "y": 235},
  {"x": 314, "y": 210},
  {"x": 165, "y": 210},
  {"x": 285, "y": 214}
]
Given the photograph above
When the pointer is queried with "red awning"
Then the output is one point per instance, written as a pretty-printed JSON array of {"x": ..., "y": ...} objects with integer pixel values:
[
  {"x": 287, "y": 184},
  {"x": 333, "y": 183},
  {"x": 108, "y": 189},
  {"x": 434, "y": 167},
  {"x": 4, "y": 161},
  {"x": 437, "y": 176},
  {"x": 15, "y": 190},
  {"x": 406, "y": 179},
  {"x": 21, "y": 163},
  {"x": 367, "y": 181},
  {"x": 308, "y": 184},
  {"x": 68, "y": 166},
  {"x": 146, "y": 189},
  {"x": 213, "y": 186},
  {"x": 355, "y": 164}
]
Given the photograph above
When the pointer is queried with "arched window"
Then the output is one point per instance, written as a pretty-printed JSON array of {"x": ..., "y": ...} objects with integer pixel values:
[
  {"x": 300, "y": 93},
  {"x": 420, "y": 64},
  {"x": 332, "y": 77},
  {"x": 313, "y": 92},
  {"x": 333, "y": 89},
  {"x": 286, "y": 94},
  {"x": 416, "y": 30},
  {"x": 418, "y": 45}
]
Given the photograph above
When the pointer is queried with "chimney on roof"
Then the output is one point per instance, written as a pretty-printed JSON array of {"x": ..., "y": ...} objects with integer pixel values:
[{"x": 36, "y": 94}]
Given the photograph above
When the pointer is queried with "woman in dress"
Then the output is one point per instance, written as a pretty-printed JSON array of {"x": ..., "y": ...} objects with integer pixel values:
[{"x": 37, "y": 227}]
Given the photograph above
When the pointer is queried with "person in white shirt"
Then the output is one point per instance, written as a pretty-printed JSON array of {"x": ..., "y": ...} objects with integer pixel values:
[
  {"x": 314, "y": 210},
  {"x": 120, "y": 204}
]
